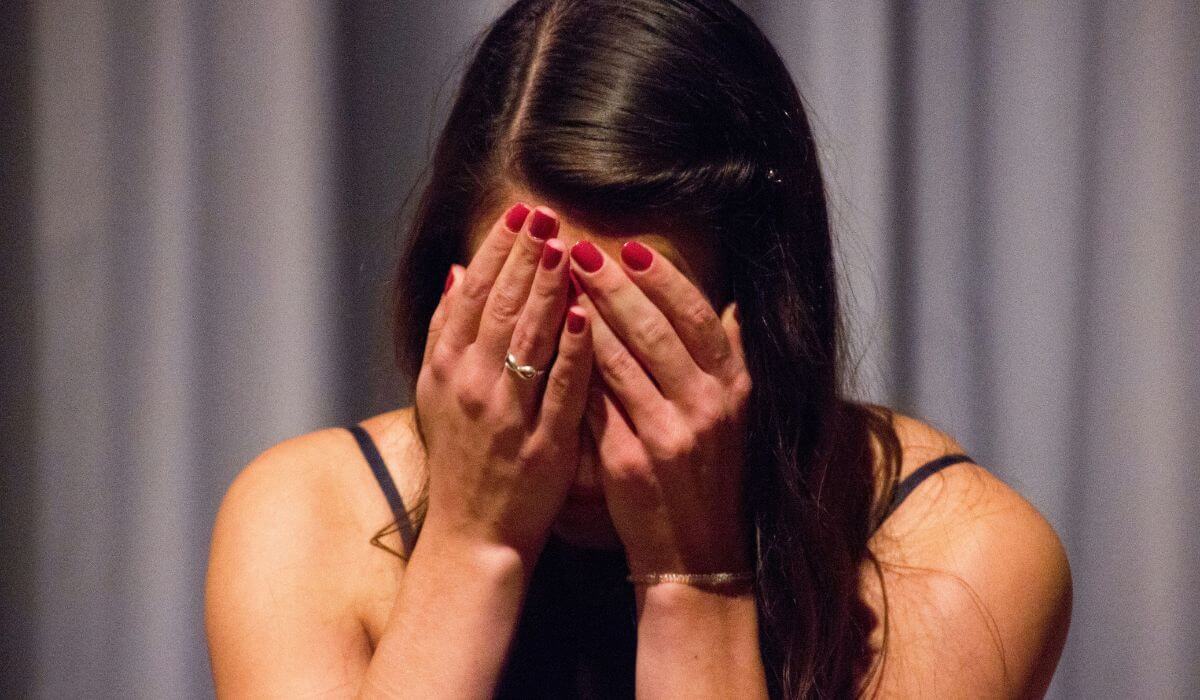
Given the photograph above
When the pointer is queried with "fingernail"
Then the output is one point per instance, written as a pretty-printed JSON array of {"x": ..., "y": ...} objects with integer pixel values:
[
  {"x": 636, "y": 255},
  {"x": 552, "y": 253},
  {"x": 449, "y": 281},
  {"x": 544, "y": 226},
  {"x": 574, "y": 321},
  {"x": 588, "y": 257},
  {"x": 575, "y": 288},
  {"x": 515, "y": 218}
]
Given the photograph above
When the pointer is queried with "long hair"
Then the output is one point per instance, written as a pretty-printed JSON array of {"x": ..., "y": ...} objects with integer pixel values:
[{"x": 680, "y": 113}]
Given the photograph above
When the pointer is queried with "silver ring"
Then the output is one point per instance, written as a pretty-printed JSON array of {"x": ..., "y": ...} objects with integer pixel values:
[{"x": 522, "y": 371}]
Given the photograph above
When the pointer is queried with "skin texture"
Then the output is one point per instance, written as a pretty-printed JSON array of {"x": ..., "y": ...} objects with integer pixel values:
[{"x": 297, "y": 604}]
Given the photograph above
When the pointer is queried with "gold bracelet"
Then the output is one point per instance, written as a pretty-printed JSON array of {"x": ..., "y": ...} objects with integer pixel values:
[{"x": 694, "y": 579}]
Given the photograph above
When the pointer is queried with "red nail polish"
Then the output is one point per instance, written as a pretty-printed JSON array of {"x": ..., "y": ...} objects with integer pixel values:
[
  {"x": 574, "y": 321},
  {"x": 552, "y": 253},
  {"x": 544, "y": 226},
  {"x": 449, "y": 281},
  {"x": 575, "y": 287},
  {"x": 587, "y": 255},
  {"x": 636, "y": 255},
  {"x": 515, "y": 218}
]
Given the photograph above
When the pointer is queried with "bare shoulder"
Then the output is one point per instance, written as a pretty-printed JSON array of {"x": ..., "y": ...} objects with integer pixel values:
[
  {"x": 976, "y": 578},
  {"x": 946, "y": 495},
  {"x": 280, "y": 605},
  {"x": 319, "y": 489}
]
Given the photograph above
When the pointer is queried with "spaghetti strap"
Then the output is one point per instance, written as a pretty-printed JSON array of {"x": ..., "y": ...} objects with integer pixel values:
[
  {"x": 923, "y": 472},
  {"x": 375, "y": 460}
]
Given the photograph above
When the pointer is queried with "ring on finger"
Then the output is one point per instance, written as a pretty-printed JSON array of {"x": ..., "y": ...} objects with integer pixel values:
[{"x": 526, "y": 372}]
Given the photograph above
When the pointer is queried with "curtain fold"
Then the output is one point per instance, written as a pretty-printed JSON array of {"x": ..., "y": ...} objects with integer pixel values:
[{"x": 182, "y": 271}]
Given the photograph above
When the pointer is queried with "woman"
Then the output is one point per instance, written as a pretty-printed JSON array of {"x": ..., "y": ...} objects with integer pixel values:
[{"x": 630, "y": 464}]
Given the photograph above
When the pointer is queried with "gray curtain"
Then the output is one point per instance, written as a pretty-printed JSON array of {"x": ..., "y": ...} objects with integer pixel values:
[{"x": 199, "y": 207}]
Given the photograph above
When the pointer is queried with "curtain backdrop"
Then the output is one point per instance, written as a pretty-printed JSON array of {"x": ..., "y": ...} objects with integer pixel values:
[{"x": 198, "y": 203}]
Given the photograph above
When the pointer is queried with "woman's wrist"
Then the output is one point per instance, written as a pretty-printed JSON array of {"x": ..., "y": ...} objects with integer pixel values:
[
  {"x": 453, "y": 619},
  {"x": 684, "y": 599},
  {"x": 681, "y": 627},
  {"x": 474, "y": 556}
]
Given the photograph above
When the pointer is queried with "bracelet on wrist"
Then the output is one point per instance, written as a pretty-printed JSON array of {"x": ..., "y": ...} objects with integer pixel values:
[{"x": 716, "y": 579}]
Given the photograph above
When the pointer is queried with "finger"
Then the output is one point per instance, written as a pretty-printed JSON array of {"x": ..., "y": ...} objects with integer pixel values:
[
  {"x": 565, "y": 398},
  {"x": 621, "y": 371},
  {"x": 437, "y": 322},
  {"x": 731, "y": 327},
  {"x": 610, "y": 426},
  {"x": 636, "y": 321},
  {"x": 536, "y": 334},
  {"x": 684, "y": 305},
  {"x": 509, "y": 294},
  {"x": 476, "y": 282}
]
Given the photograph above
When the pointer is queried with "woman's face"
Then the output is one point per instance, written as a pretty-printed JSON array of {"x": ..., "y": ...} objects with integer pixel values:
[{"x": 584, "y": 519}]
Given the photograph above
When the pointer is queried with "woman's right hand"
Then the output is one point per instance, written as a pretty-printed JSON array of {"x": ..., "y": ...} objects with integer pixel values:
[{"x": 501, "y": 450}]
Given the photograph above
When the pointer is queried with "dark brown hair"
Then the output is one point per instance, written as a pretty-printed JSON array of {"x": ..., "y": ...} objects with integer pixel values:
[{"x": 681, "y": 113}]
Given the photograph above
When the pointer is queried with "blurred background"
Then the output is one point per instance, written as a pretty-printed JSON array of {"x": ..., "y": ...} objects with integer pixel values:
[{"x": 199, "y": 201}]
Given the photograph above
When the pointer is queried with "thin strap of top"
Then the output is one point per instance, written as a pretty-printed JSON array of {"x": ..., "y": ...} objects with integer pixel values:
[
  {"x": 371, "y": 452},
  {"x": 922, "y": 473},
  {"x": 375, "y": 460}
]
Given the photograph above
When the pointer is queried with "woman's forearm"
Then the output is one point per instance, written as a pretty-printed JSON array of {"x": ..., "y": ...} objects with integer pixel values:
[
  {"x": 697, "y": 643},
  {"x": 452, "y": 621}
]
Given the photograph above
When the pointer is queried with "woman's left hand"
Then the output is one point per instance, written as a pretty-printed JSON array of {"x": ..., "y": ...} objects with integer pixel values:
[{"x": 670, "y": 418}]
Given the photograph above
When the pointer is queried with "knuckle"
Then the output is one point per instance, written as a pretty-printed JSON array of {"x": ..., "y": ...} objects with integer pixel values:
[
  {"x": 438, "y": 320},
  {"x": 525, "y": 340},
  {"x": 559, "y": 385},
  {"x": 708, "y": 416},
  {"x": 505, "y": 304},
  {"x": 698, "y": 313},
  {"x": 510, "y": 425},
  {"x": 441, "y": 364},
  {"x": 472, "y": 399},
  {"x": 740, "y": 387},
  {"x": 631, "y": 473},
  {"x": 650, "y": 332},
  {"x": 673, "y": 444},
  {"x": 703, "y": 406},
  {"x": 547, "y": 286},
  {"x": 474, "y": 290},
  {"x": 534, "y": 450},
  {"x": 617, "y": 362}
]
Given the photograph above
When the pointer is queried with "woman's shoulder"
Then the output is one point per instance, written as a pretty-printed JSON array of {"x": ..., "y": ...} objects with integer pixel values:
[
  {"x": 307, "y": 498},
  {"x": 963, "y": 496},
  {"x": 966, "y": 545},
  {"x": 326, "y": 472},
  {"x": 289, "y": 555},
  {"x": 298, "y": 519},
  {"x": 957, "y": 492}
]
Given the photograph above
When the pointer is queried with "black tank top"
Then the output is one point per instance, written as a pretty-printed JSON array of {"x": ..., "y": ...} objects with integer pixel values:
[{"x": 577, "y": 635}]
